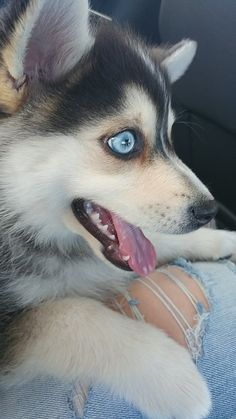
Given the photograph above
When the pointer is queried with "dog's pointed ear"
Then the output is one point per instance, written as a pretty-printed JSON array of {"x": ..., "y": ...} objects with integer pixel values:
[
  {"x": 176, "y": 59},
  {"x": 39, "y": 40}
]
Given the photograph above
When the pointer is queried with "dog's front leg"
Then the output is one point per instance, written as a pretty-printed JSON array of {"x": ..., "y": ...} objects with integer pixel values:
[
  {"x": 81, "y": 338},
  {"x": 203, "y": 244}
]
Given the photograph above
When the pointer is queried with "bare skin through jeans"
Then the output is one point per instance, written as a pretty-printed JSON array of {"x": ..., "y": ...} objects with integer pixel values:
[{"x": 168, "y": 299}]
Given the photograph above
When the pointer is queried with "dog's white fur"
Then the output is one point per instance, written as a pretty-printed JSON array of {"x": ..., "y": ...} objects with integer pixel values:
[
  {"x": 179, "y": 59},
  {"x": 132, "y": 359},
  {"x": 203, "y": 244},
  {"x": 73, "y": 335}
]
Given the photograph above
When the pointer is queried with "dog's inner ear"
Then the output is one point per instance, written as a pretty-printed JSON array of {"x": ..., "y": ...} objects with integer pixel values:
[
  {"x": 176, "y": 59},
  {"x": 46, "y": 40}
]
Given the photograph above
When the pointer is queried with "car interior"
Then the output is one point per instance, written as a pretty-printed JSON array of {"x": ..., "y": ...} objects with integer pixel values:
[{"x": 204, "y": 137}]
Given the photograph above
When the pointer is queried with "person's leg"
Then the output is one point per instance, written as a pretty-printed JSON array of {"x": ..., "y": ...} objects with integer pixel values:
[
  {"x": 211, "y": 332},
  {"x": 218, "y": 362},
  {"x": 171, "y": 300},
  {"x": 205, "y": 322},
  {"x": 39, "y": 394},
  {"x": 42, "y": 398}
]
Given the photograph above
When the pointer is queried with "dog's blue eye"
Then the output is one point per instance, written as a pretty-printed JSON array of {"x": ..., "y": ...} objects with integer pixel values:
[{"x": 123, "y": 143}]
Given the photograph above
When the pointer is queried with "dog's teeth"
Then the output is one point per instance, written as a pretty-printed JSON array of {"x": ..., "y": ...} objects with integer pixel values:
[
  {"x": 104, "y": 228},
  {"x": 126, "y": 258},
  {"x": 110, "y": 236},
  {"x": 95, "y": 218}
]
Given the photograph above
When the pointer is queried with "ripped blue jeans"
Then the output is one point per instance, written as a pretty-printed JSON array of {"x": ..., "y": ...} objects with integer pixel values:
[{"x": 212, "y": 344}]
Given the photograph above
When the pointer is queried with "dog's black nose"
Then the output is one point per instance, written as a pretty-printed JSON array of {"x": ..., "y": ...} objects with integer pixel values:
[{"x": 204, "y": 212}]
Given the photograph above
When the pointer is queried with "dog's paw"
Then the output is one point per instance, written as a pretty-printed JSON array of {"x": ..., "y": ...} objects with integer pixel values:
[
  {"x": 169, "y": 386},
  {"x": 225, "y": 245}
]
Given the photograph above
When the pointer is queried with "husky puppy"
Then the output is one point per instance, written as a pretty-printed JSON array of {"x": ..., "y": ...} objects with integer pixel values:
[{"x": 90, "y": 185}]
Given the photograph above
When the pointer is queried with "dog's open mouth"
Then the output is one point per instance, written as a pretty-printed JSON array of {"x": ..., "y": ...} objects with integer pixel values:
[{"x": 124, "y": 245}]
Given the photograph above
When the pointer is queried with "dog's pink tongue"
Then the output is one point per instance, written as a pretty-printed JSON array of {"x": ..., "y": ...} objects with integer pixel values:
[{"x": 133, "y": 243}]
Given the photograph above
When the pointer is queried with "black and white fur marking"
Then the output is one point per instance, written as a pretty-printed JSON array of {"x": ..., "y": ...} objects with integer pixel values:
[{"x": 64, "y": 88}]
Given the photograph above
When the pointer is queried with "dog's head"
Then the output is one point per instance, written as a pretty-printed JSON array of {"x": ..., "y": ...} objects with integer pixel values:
[{"x": 86, "y": 142}]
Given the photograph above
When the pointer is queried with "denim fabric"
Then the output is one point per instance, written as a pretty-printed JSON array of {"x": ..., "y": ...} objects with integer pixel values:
[
  {"x": 218, "y": 364},
  {"x": 44, "y": 398},
  {"x": 218, "y": 360},
  {"x": 50, "y": 399}
]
